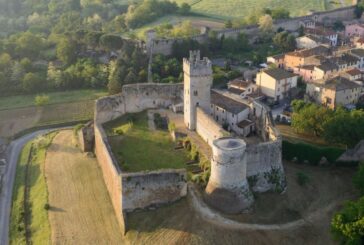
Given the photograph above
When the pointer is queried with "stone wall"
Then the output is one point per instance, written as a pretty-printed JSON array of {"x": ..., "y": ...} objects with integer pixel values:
[
  {"x": 164, "y": 46},
  {"x": 111, "y": 173},
  {"x": 207, "y": 128},
  {"x": 141, "y": 190},
  {"x": 129, "y": 191},
  {"x": 136, "y": 98}
]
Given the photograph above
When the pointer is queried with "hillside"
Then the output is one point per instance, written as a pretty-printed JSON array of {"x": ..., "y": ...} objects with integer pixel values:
[{"x": 239, "y": 8}]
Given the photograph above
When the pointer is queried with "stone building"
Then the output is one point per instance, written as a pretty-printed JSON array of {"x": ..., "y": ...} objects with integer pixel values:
[
  {"x": 335, "y": 91},
  {"x": 276, "y": 83}
]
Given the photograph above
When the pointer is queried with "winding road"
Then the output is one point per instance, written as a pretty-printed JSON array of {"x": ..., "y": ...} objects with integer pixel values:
[{"x": 13, "y": 153}]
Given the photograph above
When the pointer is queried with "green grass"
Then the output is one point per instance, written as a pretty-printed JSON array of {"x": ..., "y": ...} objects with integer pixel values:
[
  {"x": 229, "y": 9},
  {"x": 139, "y": 149},
  {"x": 38, "y": 195},
  {"x": 19, "y": 101}
]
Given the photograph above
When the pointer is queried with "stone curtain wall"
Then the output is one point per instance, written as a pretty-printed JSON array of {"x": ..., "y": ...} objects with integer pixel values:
[
  {"x": 110, "y": 172},
  {"x": 142, "y": 190},
  {"x": 129, "y": 191},
  {"x": 164, "y": 46},
  {"x": 207, "y": 128},
  {"x": 265, "y": 169}
]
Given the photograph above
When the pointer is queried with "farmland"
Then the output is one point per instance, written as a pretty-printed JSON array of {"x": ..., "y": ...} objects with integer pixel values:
[{"x": 240, "y": 8}]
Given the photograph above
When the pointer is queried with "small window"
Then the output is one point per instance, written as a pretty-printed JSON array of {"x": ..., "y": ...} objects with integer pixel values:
[{"x": 195, "y": 93}]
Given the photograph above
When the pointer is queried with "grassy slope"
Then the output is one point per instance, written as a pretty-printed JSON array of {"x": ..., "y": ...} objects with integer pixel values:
[
  {"x": 240, "y": 8},
  {"x": 141, "y": 149},
  {"x": 40, "y": 229},
  {"x": 55, "y": 98}
]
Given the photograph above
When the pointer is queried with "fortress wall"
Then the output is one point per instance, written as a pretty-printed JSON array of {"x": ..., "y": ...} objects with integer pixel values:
[
  {"x": 110, "y": 172},
  {"x": 207, "y": 128},
  {"x": 153, "y": 188},
  {"x": 145, "y": 189}
]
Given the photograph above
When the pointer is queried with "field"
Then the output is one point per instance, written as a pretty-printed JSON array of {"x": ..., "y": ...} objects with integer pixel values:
[
  {"x": 326, "y": 190},
  {"x": 80, "y": 208},
  {"x": 18, "y": 112},
  {"x": 240, "y": 8},
  {"x": 33, "y": 212},
  {"x": 19, "y": 101},
  {"x": 138, "y": 148}
]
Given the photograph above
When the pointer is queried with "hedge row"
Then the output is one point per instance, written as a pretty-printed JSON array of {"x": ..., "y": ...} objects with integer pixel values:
[{"x": 311, "y": 153}]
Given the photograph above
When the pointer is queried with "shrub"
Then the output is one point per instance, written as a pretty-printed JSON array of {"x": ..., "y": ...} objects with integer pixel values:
[
  {"x": 171, "y": 127},
  {"x": 359, "y": 178},
  {"x": 77, "y": 128},
  {"x": 311, "y": 153},
  {"x": 41, "y": 100},
  {"x": 47, "y": 206},
  {"x": 194, "y": 154},
  {"x": 302, "y": 178}
]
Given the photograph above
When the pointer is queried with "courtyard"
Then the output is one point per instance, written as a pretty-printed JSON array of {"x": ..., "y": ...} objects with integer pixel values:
[{"x": 139, "y": 146}]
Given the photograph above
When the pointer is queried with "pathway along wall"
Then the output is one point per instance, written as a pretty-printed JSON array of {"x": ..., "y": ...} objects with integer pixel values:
[{"x": 130, "y": 191}]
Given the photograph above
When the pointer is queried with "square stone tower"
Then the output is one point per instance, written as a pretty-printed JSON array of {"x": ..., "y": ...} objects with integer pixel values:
[{"x": 197, "y": 87}]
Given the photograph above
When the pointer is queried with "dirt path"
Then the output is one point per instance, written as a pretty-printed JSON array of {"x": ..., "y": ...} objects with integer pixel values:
[{"x": 81, "y": 210}]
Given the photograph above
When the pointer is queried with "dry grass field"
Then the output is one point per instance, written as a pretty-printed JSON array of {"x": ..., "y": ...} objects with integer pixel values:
[
  {"x": 80, "y": 208},
  {"x": 325, "y": 191}
]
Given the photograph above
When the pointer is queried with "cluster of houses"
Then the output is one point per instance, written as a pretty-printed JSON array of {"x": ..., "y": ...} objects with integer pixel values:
[{"x": 330, "y": 62}]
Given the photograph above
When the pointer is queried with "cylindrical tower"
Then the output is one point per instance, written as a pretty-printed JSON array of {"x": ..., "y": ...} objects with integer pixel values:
[{"x": 228, "y": 189}]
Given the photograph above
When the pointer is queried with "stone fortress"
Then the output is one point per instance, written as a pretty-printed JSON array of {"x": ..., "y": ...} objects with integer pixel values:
[{"x": 247, "y": 154}]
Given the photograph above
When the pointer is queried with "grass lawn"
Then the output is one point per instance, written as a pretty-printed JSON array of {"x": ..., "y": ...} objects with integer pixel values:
[
  {"x": 139, "y": 149},
  {"x": 38, "y": 195},
  {"x": 18, "y": 101}
]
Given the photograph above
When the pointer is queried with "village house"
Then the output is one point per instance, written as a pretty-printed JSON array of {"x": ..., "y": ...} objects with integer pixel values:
[
  {"x": 354, "y": 30},
  {"x": 323, "y": 34},
  {"x": 335, "y": 91},
  {"x": 242, "y": 87},
  {"x": 311, "y": 41},
  {"x": 359, "y": 53},
  {"x": 230, "y": 113},
  {"x": 304, "y": 57},
  {"x": 276, "y": 83},
  {"x": 277, "y": 60},
  {"x": 306, "y": 72},
  {"x": 325, "y": 70},
  {"x": 353, "y": 74}
]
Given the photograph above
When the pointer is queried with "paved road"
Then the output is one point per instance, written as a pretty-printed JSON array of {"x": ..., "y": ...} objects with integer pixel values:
[{"x": 7, "y": 190}]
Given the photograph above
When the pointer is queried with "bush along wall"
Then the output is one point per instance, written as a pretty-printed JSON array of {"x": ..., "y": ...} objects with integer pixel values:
[{"x": 312, "y": 154}]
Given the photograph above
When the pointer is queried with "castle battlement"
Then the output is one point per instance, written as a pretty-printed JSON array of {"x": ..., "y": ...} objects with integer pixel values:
[{"x": 195, "y": 66}]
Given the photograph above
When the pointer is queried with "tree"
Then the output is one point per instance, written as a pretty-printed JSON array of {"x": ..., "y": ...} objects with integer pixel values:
[
  {"x": 285, "y": 41},
  {"x": 266, "y": 23},
  {"x": 228, "y": 24},
  {"x": 32, "y": 82},
  {"x": 280, "y": 13},
  {"x": 358, "y": 179},
  {"x": 347, "y": 225},
  {"x": 67, "y": 50},
  {"x": 184, "y": 9},
  {"x": 301, "y": 31},
  {"x": 111, "y": 42},
  {"x": 29, "y": 45},
  {"x": 131, "y": 77},
  {"x": 114, "y": 85}
]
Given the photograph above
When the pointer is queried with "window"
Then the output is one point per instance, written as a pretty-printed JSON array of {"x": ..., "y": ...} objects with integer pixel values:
[{"x": 195, "y": 93}]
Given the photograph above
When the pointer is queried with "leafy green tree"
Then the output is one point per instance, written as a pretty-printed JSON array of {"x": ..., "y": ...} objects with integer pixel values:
[
  {"x": 67, "y": 50},
  {"x": 33, "y": 82},
  {"x": 184, "y": 9},
  {"x": 358, "y": 179},
  {"x": 347, "y": 225},
  {"x": 228, "y": 24},
  {"x": 266, "y": 24},
  {"x": 111, "y": 42},
  {"x": 285, "y": 41},
  {"x": 280, "y": 13},
  {"x": 29, "y": 45}
]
